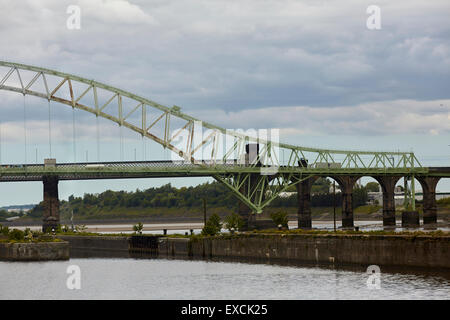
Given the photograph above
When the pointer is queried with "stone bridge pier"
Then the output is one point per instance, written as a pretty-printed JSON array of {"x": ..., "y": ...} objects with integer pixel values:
[
  {"x": 387, "y": 184},
  {"x": 304, "y": 203},
  {"x": 246, "y": 214},
  {"x": 51, "y": 203},
  {"x": 346, "y": 184},
  {"x": 429, "y": 198}
]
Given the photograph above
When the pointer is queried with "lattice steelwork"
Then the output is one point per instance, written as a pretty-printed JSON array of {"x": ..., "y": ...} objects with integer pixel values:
[{"x": 256, "y": 181}]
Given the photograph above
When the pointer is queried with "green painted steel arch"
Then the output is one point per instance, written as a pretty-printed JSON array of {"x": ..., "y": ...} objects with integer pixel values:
[{"x": 352, "y": 158}]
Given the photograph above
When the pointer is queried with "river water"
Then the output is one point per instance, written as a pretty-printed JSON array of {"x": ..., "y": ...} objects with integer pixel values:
[{"x": 127, "y": 278}]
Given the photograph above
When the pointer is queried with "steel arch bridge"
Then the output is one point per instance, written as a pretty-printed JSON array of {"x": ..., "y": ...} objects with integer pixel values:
[{"x": 256, "y": 179}]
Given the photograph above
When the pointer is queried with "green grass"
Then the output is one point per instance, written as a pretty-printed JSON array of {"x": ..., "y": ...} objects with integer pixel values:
[
  {"x": 444, "y": 202},
  {"x": 352, "y": 232},
  {"x": 367, "y": 209},
  {"x": 88, "y": 234},
  {"x": 30, "y": 241},
  {"x": 438, "y": 233}
]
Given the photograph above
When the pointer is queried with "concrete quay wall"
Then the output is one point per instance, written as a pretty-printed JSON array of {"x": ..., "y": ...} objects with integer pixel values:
[
  {"x": 387, "y": 250},
  {"x": 38, "y": 251},
  {"x": 419, "y": 251}
]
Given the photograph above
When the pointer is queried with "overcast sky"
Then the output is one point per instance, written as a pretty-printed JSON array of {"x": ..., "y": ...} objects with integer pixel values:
[{"x": 311, "y": 68}]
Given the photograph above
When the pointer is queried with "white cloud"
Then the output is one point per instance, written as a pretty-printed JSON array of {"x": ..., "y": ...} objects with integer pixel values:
[
  {"x": 61, "y": 132},
  {"x": 235, "y": 55},
  {"x": 115, "y": 12}
]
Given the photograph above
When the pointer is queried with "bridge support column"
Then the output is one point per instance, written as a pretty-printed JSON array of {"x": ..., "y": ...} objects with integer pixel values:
[
  {"x": 51, "y": 203},
  {"x": 410, "y": 219},
  {"x": 304, "y": 203},
  {"x": 244, "y": 211},
  {"x": 346, "y": 183},
  {"x": 387, "y": 184},
  {"x": 429, "y": 199},
  {"x": 246, "y": 214}
]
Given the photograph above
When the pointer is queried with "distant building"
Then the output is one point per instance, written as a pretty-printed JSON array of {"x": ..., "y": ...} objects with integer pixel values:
[
  {"x": 286, "y": 194},
  {"x": 17, "y": 210},
  {"x": 338, "y": 189},
  {"x": 375, "y": 198},
  {"x": 12, "y": 218}
]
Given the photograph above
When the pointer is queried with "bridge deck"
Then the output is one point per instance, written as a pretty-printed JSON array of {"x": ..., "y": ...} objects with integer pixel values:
[{"x": 153, "y": 169}]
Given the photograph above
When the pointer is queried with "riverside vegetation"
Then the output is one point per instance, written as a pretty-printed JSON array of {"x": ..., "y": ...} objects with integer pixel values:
[
  {"x": 214, "y": 226},
  {"x": 167, "y": 201},
  {"x": 8, "y": 235},
  {"x": 212, "y": 229}
]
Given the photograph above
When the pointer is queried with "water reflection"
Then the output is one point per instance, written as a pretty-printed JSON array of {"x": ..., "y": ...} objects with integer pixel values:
[
  {"x": 415, "y": 271},
  {"x": 118, "y": 278}
]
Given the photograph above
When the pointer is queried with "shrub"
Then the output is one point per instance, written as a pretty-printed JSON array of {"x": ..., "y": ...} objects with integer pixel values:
[
  {"x": 137, "y": 228},
  {"x": 234, "y": 222},
  {"x": 36, "y": 234},
  {"x": 16, "y": 234},
  {"x": 280, "y": 218},
  {"x": 28, "y": 235},
  {"x": 4, "y": 230},
  {"x": 81, "y": 228},
  {"x": 212, "y": 226}
]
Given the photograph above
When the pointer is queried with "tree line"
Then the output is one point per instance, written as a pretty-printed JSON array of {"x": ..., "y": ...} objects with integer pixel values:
[
  {"x": 215, "y": 194},
  {"x": 4, "y": 214}
]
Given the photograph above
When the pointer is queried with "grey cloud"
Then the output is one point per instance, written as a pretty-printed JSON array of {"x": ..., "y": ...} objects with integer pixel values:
[
  {"x": 233, "y": 56},
  {"x": 381, "y": 118}
]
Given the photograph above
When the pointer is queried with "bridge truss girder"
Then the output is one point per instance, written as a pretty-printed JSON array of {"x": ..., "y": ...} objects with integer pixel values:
[{"x": 258, "y": 191}]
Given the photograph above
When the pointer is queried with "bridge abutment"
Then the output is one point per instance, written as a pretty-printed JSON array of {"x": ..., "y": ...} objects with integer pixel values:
[
  {"x": 51, "y": 203},
  {"x": 387, "y": 184},
  {"x": 429, "y": 198}
]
